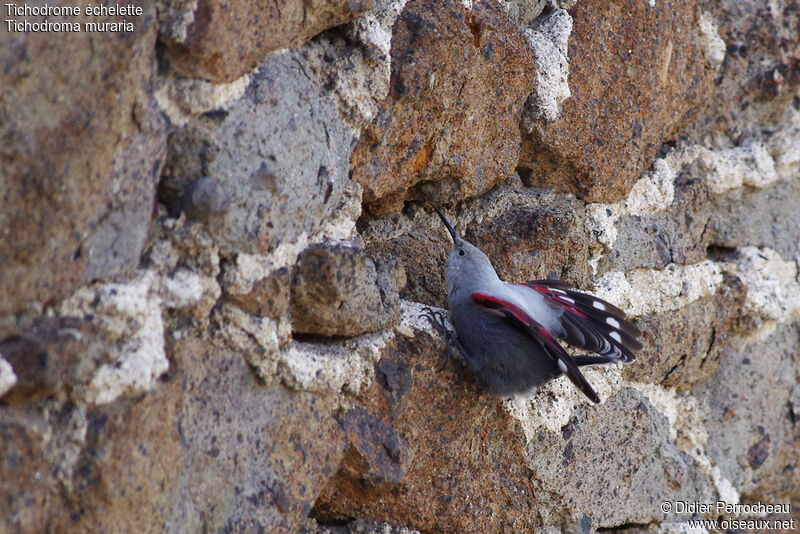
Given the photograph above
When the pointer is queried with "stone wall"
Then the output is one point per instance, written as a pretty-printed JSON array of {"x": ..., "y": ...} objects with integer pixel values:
[{"x": 215, "y": 251}]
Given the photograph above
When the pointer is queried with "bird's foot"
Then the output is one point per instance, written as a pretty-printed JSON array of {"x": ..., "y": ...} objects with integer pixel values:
[{"x": 436, "y": 318}]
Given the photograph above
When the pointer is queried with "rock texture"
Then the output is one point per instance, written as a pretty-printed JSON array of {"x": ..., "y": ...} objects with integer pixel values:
[
  {"x": 221, "y": 41},
  {"x": 81, "y": 155},
  {"x": 216, "y": 254},
  {"x": 459, "y": 79},
  {"x": 338, "y": 291},
  {"x": 642, "y": 72}
]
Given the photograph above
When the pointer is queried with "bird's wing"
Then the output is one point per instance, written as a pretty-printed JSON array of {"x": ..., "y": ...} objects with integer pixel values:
[
  {"x": 591, "y": 323},
  {"x": 551, "y": 347}
]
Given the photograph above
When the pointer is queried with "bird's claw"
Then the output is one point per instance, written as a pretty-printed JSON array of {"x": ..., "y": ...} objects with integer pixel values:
[{"x": 436, "y": 318}]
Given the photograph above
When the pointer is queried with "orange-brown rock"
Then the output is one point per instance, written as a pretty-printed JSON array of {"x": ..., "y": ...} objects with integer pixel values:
[
  {"x": 539, "y": 235},
  {"x": 636, "y": 73},
  {"x": 225, "y": 39},
  {"x": 448, "y": 128}
]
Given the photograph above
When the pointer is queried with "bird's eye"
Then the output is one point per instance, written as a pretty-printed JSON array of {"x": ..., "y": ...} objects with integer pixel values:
[{"x": 461, "y": 252}]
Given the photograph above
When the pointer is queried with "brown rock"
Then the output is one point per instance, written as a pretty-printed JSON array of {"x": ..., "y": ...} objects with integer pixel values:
[
  {"x": 27, "y": 487},
  {"x": 459, "y": 80},
  {"x": 337, "y": 291},
  {"x": 636, "y": 74},
  {"x": 422, "y": 256},
  {"x": 52, "y": 358},
  {"x": 463, "y": 451},
  {"x": 527, "y": 235},
  {"x": 211, "y": 447},
  {"x": 683, "y": 347},
  {"x": 268, "y": 297},
  {"x": 80, "y": 154},
  {"x": 225, "y": 39},
  {"x": 375, "y": 456},
  {"x": 539, "y": 235}
]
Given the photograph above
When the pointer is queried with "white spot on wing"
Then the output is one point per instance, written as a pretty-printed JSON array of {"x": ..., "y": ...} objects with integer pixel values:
[
  {"x": 615, "y": 336},
  {"x": 613, "y": 322},
  {"x": 599, "y": 305},
  {"x": 567, "y": 299},
  {"x": 562, "y": 365}
]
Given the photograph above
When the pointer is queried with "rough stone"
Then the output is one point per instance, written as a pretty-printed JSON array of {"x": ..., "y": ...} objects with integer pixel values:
[
  {"x": 184, "y": 98},
  {"x": 765, "y": 217},
  {"x": 210, "y": 434},
  {"x": 527, "y": 235},
  {"x": 754, "y": 439},
  {"x": 337, "y": 290},
  {"x": 637, "y": 72},
  {"x": 759, "y": 78},
  {"x": 259, "y": 339},
  {"x": 654, "y": 239},
  {"x": 773, "y": 287},
  {"x": 360, "y": 526},
  {"x": 448, "y": 126},
  {"x": 644, "y": 291},
  {"x": 633, "y": 449},
  {"x": 374, "y": 457},
  {"x": 222, "y": 40},
  {"x": 683, "y": 347},
  {"x": 188, "y": 263},
  {"x": 255, "y": 319},
  {"x": 29, "y": 486},
  {"x": 278, "y": 156},
  {"x": 548, "y": 39},
  {"x": 421, "y": 254},
  {"x": 89, "y": 146},
  {"x": 698, "y": 201},
  {"x": 266, "y": 296},
  {"x": 355, "y": 61},
  {"x": 7, "y": 376},
  {"x": 129, "y": 317},
  {"x": 532, "y": 235},
  {"x": 474, "y": 481},
  {"x": 53, "y": 359},
  {"x": 524, "y": 12},
  {"x": 178, "y": 400}
]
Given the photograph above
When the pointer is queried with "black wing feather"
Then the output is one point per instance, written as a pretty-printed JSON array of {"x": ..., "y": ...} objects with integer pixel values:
[{"x": 591, "y": 323}]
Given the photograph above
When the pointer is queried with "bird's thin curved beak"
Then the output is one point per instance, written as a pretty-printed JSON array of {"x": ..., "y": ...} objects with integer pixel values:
[{"x": 449, "y": 226}]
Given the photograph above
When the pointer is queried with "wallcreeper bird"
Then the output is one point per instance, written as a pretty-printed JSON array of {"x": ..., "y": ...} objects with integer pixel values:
[{"x": 507, "y": 331}]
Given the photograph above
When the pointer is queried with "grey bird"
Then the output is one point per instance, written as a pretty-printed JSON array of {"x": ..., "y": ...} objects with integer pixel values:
[{"x": 508, "y": 332}]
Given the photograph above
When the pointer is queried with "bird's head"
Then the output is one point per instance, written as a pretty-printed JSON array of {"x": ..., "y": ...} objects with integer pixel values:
[{"x": 467, "y": 265}]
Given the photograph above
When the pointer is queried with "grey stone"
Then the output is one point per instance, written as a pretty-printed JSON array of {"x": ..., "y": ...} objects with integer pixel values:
[
  {"x": 279, "y": 156},
  {"x": 683, "y": 347},
  {"x": 338, "y": 291},
  {"x": 754, "y": 439},
  {"x": 675, "y": 235},
  {"x": 615, "y": 463},
  {"x": 766, "y": 217},
  {"x": 202, "y": 199},
  {"x": 115, "y": 245},
  {"x": 360, "y": 526}
]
